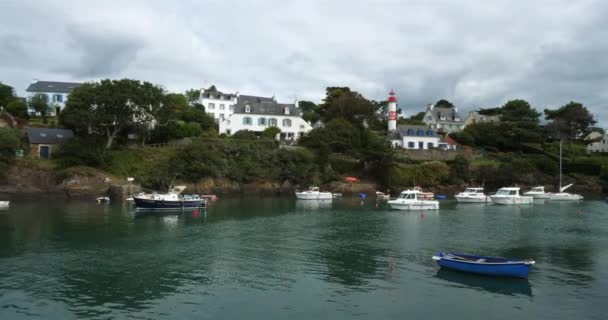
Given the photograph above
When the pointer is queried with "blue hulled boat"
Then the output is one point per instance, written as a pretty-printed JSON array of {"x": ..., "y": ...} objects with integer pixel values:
[
  {"x": 491, "y": 266},
  {"x": 173, "y": 200}
]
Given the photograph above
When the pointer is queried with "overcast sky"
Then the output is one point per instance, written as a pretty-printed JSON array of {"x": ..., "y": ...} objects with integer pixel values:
[{"x": 473, "y": 53}]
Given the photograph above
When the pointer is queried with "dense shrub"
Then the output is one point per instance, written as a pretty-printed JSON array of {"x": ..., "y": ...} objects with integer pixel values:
[
  {"x": 88, "y": 151},
  {"x": 10, "y": 142}
]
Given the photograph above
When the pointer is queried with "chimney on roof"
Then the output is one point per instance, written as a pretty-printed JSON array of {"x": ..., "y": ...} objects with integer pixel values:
[
  {"x": 431, "y": 106},
  {"x": 34, "y": 80}
]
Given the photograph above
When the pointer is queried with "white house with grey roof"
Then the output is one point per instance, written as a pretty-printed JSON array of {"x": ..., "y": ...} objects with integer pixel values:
[
  {"x": 258, "y": 113},
  {"x": 414, "y": 137},
  {"x": 219, "y": 105},
  {"x": 56, "y": 92},
  {"x": 443, "y": 119}
]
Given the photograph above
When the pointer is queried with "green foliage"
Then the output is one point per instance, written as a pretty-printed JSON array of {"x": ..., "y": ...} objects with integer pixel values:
[
  {"x": 463, "y": 137},
  {"x": 310, "y": 111},
  {"x": 425, "y": 174},
  {"x": 443, "y": 104},
  {"x": 270, "y": 132},
  {"x": 490, "y": 111},
  {"x": 342, "y": 103},
  {"x": 10, "y": 142},
  {"x": 459, "y": 170},
  {"x": 7, "y": 94},
  {"x": 415, "y": 120},
  {"x": 108, "y": 107},
  {"x": 338, "y": 135},
  {"x": 521, "y": 112},
  {"x": 244, "y": 135},
  {"x": 344, "y": 165},
  {"x": 17, "y": 109},
  {"x": 571, "y": 121},
  {"x": 192, "y": 95},
  {"x": 504, "y": 136},
  {"x": 87, "y": 151},
  {"x": 40, "y": 103}
]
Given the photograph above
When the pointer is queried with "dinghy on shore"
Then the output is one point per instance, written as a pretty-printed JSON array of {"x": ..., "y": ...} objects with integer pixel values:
[{"x": 491, "y": 266}]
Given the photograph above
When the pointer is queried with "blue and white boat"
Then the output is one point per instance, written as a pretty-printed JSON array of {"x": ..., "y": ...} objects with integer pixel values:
[
  {"x": 491, "y": 266},
  {"x": 172, "y": 200}
]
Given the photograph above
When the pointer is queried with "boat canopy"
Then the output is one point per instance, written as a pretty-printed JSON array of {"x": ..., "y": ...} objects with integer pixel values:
[{"x": 178, "y": 189}]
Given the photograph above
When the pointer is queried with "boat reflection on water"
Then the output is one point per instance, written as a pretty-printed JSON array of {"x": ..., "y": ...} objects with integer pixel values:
[
  {"x": 314, "y": 204},
  {"x": 506, "y": 286}
]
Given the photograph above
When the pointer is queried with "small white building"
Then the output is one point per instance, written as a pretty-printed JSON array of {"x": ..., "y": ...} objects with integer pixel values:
[
  {"x": 443, "y": 119},
  {"x": 56, "y": 92},
  {"x": 598, "y": 146},
  {"x": 474, "y": 117},
  {"x": 218, "y": 105},
  {"x": 414, "y": 137},
  {"x": 258, "y": 113}
]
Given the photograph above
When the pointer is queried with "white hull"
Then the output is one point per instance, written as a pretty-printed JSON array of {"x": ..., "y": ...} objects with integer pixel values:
[
  {"x": 537, "y": 195},
  {"x": 512, "y": 200},
  {"x": 314, "y": 195},
  {"x": 470, "y": 199},
  {"x": 565, "y": 197},
  {"x": 4, "y": 204},
  {"x": 414, "y": 205}
]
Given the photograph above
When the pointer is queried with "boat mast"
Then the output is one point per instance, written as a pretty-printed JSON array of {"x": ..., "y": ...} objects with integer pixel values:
[{"x": 560, "y": 164}]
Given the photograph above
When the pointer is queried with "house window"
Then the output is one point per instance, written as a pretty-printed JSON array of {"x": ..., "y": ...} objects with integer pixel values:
[
  {"x": 222, "y": 107},
  {"x": 247, "y": 108},
  {"x": 420, "y": 132},
  {"x": 221, "y": 117},
  {"x": 211, "y": 106},
  {"x": 286, "y": 122},
  {"x": 231, "y": 108},
  {"x": 411, "y": 145},
  {"x": 272, "y": 122},
  {"x": 429, "y": 118},
  {"x": 410, "y": 132},
  {"x": 429, "y": 133},
  {"x": 261, "y": 121},
  {"x": 58, "y": 98},
  {"x": 247, "y": 121},
  {"x": 430, "y": 145},
  {"x": 302, "y": 127}
]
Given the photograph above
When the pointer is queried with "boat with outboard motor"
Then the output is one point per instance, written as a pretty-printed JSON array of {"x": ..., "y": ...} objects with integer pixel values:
[
  {"x": 475, "y": 195},
  {"x": 413, "y": 200},
  {"x": 172, "y": 200}
]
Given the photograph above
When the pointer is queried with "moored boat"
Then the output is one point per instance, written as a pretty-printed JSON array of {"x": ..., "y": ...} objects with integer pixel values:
[
  {"x": 4, "y": 204},
  {"x": 413, "y": 200},
  {"x": 538, "y": 193},
  {"x": 382, "y": 196},
  {"x": 313, "y": 193},
  {"x": 510, "y": 196},
  {"x": 172, "y": 200},
  {"x": 565, "y": 196},
  {"x": 472, "y": 195},
  {"x": 491, "y": 266},
  {"x": 425, "y": 195}
]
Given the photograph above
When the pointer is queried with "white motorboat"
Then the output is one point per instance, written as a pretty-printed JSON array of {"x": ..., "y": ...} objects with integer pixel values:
[
  {"x": 382, "y": 196},
  {"x": 565, "y": 196},
  {"x": 314, "y": 194},
  {"x": 472, "y": 195},
  {"x": 511, "y": 196},
  {"x": 413, "y": 200},
  {"x": 562, "y": 195},
  {"x": 538, "y": 193},
  {"x": 4, "y": 204}
]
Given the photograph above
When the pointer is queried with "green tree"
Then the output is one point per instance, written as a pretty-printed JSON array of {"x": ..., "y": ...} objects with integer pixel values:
[
  {"x": 459, "y": 170},
  {"x": 521, "y": 112},
  {"x": 571, "y": 121},
  {"x": 341, "y": 102},
  {"x": 443, "y": 104},
  {"x": 7, "y": 95},
  {"x": 244, "y": 135},
  {"x": 40, "y": 104},
  {"x": 18, "y": 109},
  {"x": 310, "y": 111},
  {"x": 270, "y": 132},
  {"x": 10, "y": 142},
  {"x": 415, "y": 120},
  {"x": 192, "y": 95},
  {"x": 109, "y": 107}
]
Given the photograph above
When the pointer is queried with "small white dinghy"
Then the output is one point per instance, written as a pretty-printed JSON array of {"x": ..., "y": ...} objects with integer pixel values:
[{"x": 4, "y": 204}]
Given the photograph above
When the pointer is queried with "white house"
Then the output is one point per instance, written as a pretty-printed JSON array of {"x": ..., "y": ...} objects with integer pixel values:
[
  {"x": 414, "y": 137},
  {"x": 443, "y": 119},
  {"x": 218, "y": 105},
  {"x": 599, "y": 146},
  {"x": 258, "y": 113},
  {"x": 56, "y": 92}
]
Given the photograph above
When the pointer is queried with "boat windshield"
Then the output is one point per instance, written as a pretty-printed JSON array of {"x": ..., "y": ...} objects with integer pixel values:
[
  {"x": 407, "y": 196},
  {"x": 538, "y": 189},
  {"x": 503, "y": 192},
  {"x": 473, "y": 190}
]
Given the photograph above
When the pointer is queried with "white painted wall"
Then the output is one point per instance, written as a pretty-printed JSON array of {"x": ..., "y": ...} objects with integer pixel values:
[
  {"x": 220, "y": 108},
  {"x": 53, "y": 99},
  {"x": 235, "y": 123},
  {"x": 417, "y": 139},
  {"x": 600, "y": 146}
]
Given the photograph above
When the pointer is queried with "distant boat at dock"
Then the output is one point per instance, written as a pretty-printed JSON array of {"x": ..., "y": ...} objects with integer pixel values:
[
  {"x": 413, "y": 200},
  {"x": 511, "y": 196},
  {"x": 475, "y": 195},
  {"x": 313, "y": 193},
  {"x": 172, "y": 200}
]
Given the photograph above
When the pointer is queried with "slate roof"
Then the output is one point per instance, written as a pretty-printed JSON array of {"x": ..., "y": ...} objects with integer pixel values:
[
  {"x": 449, "y": 113},
  {"x": 52, "y": 86},
  {"x": 264, "y": 105},
  {"x": 48, "y": 136},
  {"x": 212, "y": 90}
]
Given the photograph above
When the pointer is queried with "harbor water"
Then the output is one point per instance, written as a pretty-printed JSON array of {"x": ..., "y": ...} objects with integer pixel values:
[{"x": 278, "y": 258}]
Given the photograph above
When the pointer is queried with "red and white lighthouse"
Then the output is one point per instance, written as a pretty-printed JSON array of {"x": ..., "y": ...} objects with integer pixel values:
[{"x": 392, "y": 111}]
